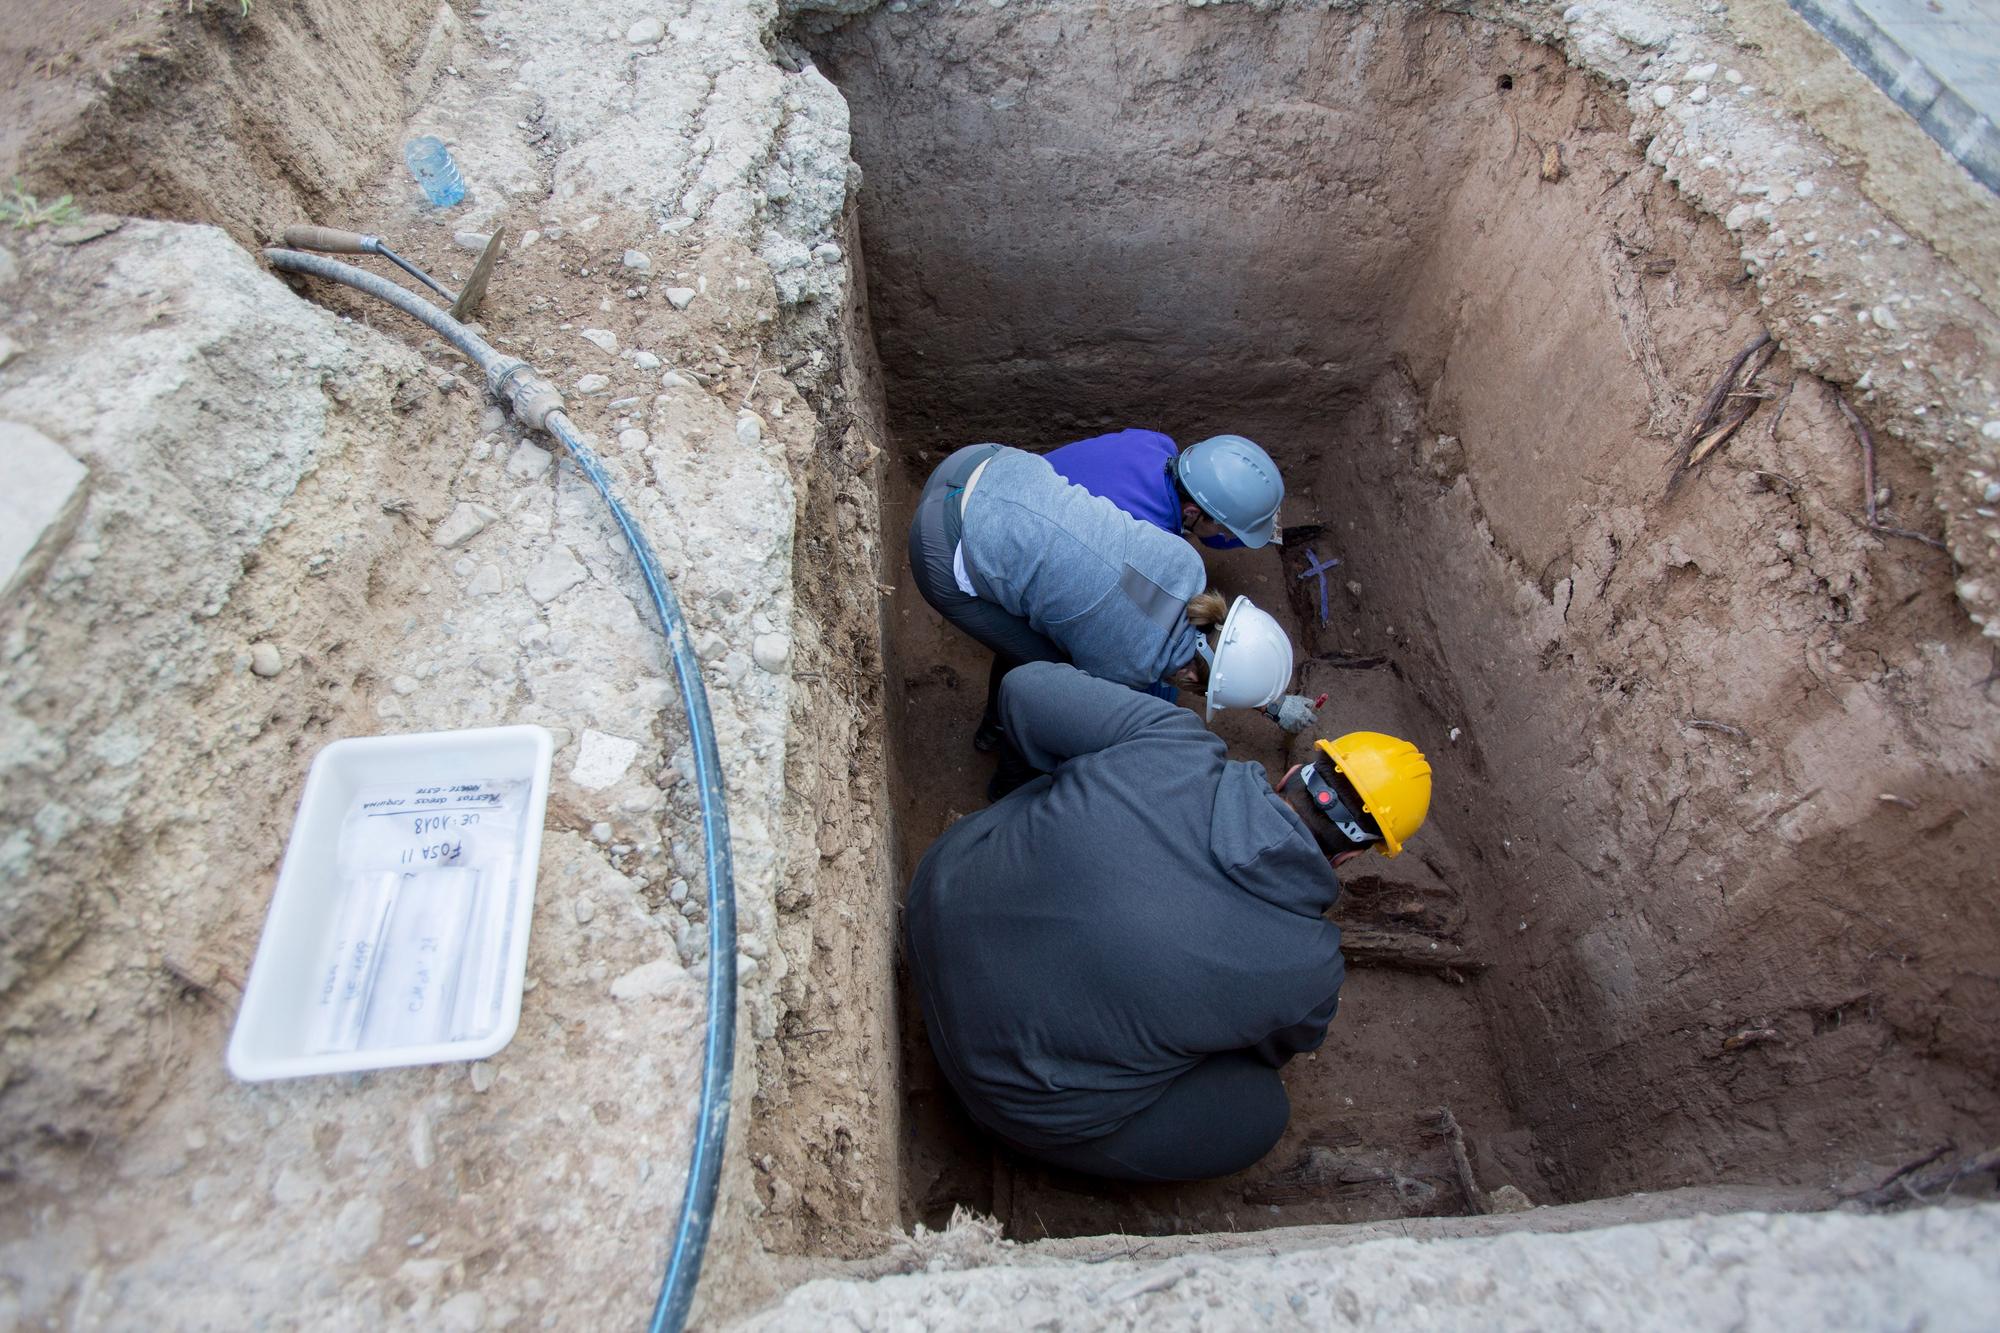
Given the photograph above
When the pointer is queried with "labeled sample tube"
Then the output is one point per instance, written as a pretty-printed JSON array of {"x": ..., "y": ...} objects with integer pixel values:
[
  {"x": 347, "y": 974},
  {"x": 481, "y": 978},
  {"x": 411, "y": 1002}
]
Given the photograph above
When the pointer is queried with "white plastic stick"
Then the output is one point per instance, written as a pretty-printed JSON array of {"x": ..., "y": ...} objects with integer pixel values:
[
  {"x": 482, "y": 977},
  {"x": 411, "y": 1003},
  {"x": 352, "y": 957}
]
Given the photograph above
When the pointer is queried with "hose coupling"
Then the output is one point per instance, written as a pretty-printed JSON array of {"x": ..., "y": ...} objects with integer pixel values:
[{"x": 531, "y": 397}]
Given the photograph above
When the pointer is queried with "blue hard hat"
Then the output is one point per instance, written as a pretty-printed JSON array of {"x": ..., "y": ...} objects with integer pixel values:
[{"x": 1236, "y": 484}]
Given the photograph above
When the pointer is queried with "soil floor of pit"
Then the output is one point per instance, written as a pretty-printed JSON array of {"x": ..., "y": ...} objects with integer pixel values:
[{"x": 1362, "y": 1144}]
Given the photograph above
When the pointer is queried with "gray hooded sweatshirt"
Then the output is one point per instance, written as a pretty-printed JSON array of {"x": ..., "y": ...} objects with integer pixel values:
[
  {"x": 1086, "y": 940},
  {"x": 1109, "y": 590}
]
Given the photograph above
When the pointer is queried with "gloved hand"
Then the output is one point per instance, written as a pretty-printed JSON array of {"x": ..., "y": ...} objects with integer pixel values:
[{"x": 1294, "y": 713}]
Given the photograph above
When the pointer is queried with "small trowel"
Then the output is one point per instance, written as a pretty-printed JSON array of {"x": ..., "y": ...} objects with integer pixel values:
[{"x": 327, "y": 240}]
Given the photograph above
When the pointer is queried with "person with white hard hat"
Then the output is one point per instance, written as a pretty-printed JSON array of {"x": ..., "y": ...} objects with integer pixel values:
[
  {"x": 1038, "y": 569},
  {"x": 1223, "y": 492}
]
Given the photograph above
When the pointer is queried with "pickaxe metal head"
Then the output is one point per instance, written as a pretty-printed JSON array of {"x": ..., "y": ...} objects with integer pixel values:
[{"x": 474, "y": 290}]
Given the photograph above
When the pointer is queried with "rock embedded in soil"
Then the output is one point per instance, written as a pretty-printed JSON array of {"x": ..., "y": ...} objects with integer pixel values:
[
  {"x": 466, "y": 521},
  {"x": 649, "y": 980},
  {"x": 602, "y": 759},
  {"x": 680, "y": 297},
  {"x": 265, "y": 659},
  {"x": 593, "y": 383},
  {"x": 42, "y": 501},
  {"x": 602, "y": 339},
  {"x": 555, "y": 575},
  {"x": 423, "y": 1146},
  {"x": 645, "y": 32},
  {"x": 638, "y": 261},
  {"x": 356, "y": 1228}
]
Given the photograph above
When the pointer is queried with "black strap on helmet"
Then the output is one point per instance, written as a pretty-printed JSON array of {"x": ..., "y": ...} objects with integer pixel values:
[{"x": 1355, "y": 825}]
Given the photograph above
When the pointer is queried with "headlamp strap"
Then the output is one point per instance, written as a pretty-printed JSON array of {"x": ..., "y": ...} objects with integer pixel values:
[{"x": 1327, "y": 801}]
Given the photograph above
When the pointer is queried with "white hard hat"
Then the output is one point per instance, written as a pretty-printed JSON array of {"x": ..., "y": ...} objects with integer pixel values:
[{"x": 1252, "y": 661}]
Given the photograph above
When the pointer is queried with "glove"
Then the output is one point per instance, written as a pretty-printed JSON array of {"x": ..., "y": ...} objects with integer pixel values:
[{"x": 1294, "y": 713}]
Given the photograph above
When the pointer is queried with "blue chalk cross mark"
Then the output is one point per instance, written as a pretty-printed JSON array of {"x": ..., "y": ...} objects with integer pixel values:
[{"x": 1317, "y": 568}]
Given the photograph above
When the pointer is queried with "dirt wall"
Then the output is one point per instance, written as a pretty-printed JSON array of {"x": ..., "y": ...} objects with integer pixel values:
[
  {"x": 828, "y": 1117},
  {"x": 1731, "y": 750},
  {"x": 209, "y": 113}
]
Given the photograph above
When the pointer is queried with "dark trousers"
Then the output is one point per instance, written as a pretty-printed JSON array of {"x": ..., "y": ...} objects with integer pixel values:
[
  {"x": 934, "y": 534},
  {"x": 1217, "y": 1118}
]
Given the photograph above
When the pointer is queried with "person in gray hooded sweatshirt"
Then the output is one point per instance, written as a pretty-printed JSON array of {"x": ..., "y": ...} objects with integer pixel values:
[
  {"x": 1040, "y": 570},
  {"x": 1054, "y": 570},
  {"x": 1114, "y": 961}
]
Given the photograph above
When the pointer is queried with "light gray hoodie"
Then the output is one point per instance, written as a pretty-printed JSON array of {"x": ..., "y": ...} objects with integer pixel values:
[{"x": 1109, "y": 590}]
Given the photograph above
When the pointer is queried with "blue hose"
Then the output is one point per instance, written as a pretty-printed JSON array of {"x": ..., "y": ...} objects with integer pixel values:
[
  {"x": 538, "y": 405},
  {"x": 718, "y": 1058}
]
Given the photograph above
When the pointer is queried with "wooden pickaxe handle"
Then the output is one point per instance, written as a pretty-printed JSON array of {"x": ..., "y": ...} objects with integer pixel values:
[{"x": 328, "y": 240}]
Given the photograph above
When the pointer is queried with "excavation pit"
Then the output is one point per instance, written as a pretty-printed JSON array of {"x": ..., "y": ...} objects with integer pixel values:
[
  {"x": 1418, "y": 257},
  {"x": 1706, "y": 896}
]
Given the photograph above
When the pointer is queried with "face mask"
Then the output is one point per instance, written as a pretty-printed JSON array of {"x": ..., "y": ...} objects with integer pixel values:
[{"x": 1221, "y": 541}]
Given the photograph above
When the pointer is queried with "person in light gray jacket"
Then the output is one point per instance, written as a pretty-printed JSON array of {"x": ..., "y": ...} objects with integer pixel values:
[
  {"x": 1040, "y": 570},
  {"x": 1115, "y": 961}
]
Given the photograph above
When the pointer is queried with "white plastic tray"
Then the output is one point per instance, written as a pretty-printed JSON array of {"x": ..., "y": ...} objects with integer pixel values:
[{"x": 271, "y": 1038}]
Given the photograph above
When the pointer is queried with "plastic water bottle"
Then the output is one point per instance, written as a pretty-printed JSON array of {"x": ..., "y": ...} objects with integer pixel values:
[{"x": 430, "y": 162}]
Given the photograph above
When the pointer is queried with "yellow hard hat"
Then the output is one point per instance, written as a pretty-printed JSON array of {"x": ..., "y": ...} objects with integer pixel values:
[{"x": 1390, "y": 776}]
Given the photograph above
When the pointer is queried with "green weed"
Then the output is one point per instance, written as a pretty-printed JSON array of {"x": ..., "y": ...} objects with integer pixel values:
[{"x": 22, "y": 211}]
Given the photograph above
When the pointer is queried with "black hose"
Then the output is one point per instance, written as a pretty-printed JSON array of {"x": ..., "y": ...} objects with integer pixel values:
[
  {"x": 539, "y": 406},
  {"x": 411, "y": 269}
]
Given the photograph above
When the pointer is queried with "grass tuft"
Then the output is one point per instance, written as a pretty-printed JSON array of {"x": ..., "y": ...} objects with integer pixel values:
[{"x": 23, "y": 211}]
